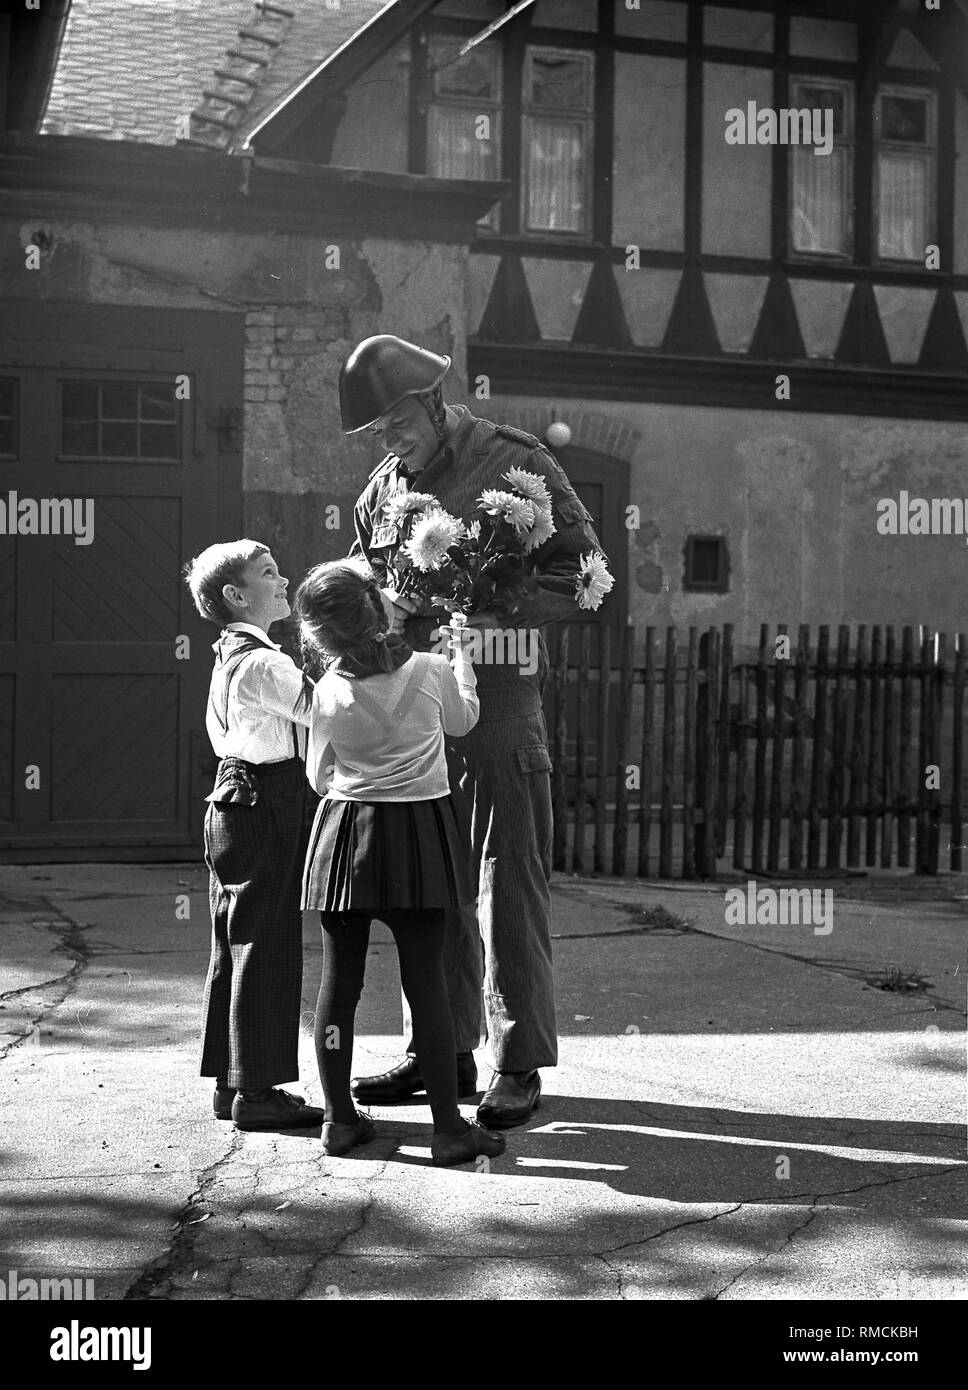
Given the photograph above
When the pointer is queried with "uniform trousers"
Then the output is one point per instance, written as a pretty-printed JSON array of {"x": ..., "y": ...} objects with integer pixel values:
[{"x": 499, "y": 955}]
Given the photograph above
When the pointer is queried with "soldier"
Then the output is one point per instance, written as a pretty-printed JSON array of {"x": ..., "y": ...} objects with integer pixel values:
[{"x": 394, "y": 388}]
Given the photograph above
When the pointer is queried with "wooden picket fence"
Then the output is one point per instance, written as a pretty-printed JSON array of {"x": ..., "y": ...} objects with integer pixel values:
[{"x": 692, "y": 754}]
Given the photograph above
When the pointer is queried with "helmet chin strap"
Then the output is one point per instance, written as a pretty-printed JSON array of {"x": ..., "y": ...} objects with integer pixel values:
[{"x": 433, "y": 404}]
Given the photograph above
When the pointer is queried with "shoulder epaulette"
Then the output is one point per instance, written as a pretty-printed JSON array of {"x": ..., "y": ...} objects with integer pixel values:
[
  {"x": 520, "y": 436},
  {"x": 384, "y": 466}
]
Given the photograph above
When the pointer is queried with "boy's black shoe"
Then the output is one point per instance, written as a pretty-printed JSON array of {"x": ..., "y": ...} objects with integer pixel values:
[
  {"x": 404, "y": 1080},
  {"x": 276, "y": 1110},
  {"x": 223, "y": 1098}
]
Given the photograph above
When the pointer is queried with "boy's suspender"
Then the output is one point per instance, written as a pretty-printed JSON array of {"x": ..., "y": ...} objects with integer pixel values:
[{"x": 231, "y": 665}]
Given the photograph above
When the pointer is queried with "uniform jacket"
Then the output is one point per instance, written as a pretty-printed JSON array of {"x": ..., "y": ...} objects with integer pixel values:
[{"x": 475, "y": 458}]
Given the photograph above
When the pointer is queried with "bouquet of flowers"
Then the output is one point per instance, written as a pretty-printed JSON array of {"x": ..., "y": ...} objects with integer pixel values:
[{"x": 465, "y": 569}]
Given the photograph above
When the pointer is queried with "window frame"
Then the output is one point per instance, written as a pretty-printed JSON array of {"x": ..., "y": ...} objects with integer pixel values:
[
  {"x": 587, "y": 119},
  {"x": 849, "y": 87},
  {"x": 490, "y": 106},
  {"x": 720, "y": 585},
  {"x": 931, "y": 147}
]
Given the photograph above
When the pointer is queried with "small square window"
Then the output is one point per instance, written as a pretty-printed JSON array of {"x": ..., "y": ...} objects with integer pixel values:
[{"x": 706, "y": 565}]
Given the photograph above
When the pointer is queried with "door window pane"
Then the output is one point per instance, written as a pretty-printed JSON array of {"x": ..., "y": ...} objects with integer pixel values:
[{"x": 119, "y": 419}]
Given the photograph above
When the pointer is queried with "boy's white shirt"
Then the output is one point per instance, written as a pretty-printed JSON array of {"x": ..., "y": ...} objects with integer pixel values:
[{"x": 266, "y": 698}]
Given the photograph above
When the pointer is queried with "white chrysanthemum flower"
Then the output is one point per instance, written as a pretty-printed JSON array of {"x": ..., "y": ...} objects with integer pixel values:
[
  {"x": 433, "y": 535},
  {"x": 473, "y": 531},
  {"x": 402, "y": 503},
  {"x": 529, "y": 485},
  {"x": 594, "y": 581},
  {"x": 518, "y": 511},
  {"x": 542, "y": 530}
]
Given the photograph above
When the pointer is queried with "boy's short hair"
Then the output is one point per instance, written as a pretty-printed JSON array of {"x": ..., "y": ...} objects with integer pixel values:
[{"x": 217, "y": 566}]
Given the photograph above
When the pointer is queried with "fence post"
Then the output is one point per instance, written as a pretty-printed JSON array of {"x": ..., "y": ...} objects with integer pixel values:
[
  {"x": 776, "y": 764},
  {"x": 741, "y": 804},
  {"x": 668, "y": 756},
  {"x": 798, "y": 771},
  {"x": 875, "y": 706},
  {"x": 621, "y": 831},
  {"x": 838, "y": 752},
  {"x": 759, "y": 765},
  {"x": 648, "y": 753},
  {"x": 957, "y": 749},
  {"x": 581, "y": 753},
  {"x": 888, "y": 756},
  {"x": 604, "y": 699},
  {"x": 559, "y": 779},
  {"x": 722, "y": 754},
  {"x": 818, "y": 771},
  {"x": 694, "y": 700},
  {"x": 858, "y": 737}
]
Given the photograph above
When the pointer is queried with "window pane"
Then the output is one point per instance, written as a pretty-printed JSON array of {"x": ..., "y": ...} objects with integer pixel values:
[
  {"x": 79, "y": 439},
  {"x": 904, "y": 182},
  {"x": 555, "y": 162},
  {"x": 455, "y": 151},
  {"x": 825, "y": 99},
  {"x": 119, "y": 441},
  {"x": 559, "y": 82},
  {"x": 159, "y": 442},
  {"x": 904, "y": 118},
  {"x": 119, "y": 401},
  {"x": 821, "y": 201},
  {"x": 473, "y": 76},
  {"x": 79, "y": 401},
  {"x": 157, "y": 402}
]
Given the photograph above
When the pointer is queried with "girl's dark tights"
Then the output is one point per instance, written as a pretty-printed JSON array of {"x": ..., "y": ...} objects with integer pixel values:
[{"x": 419, "y": 936}]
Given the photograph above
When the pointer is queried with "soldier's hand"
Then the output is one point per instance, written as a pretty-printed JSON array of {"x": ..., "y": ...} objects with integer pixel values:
[{"x": 396, "y": 608}]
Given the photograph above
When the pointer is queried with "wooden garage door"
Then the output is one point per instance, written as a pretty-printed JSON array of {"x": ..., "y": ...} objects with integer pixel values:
[{"x": 133, "y": 417}]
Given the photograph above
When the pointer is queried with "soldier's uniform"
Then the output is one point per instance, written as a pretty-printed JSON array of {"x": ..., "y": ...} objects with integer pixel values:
[{"x": 503, "y": 764}]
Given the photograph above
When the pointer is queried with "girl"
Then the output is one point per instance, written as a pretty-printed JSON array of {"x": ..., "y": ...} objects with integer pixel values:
[{"x": 386, "y": 841}]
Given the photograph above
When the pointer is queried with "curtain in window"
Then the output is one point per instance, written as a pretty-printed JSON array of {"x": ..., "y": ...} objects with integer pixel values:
[
  {"x": 903, "y": 181},
  {"x": 554, "y": 158},
  {"x": 821, "y": 199},
  {"x": 455, "y": 151}
]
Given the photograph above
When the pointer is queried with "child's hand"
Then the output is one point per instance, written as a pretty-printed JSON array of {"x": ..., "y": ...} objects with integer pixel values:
[{"x": 396, "y": 608}]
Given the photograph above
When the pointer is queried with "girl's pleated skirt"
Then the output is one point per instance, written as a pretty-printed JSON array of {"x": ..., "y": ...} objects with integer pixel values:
[{"x": 368, "y": 855}]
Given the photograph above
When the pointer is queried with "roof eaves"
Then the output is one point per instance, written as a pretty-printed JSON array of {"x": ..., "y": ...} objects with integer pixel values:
[{"x": 340, "y": 67}]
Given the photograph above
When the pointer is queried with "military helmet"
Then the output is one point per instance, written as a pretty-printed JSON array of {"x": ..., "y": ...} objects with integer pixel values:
[{"x": 377, "y": 375}]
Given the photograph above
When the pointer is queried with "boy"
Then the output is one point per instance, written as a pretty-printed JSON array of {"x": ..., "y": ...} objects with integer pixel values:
[{"x": 254, "y": 841}]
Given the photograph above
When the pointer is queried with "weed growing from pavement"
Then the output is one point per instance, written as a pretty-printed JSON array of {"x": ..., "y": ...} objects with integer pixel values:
[{"x": 896, "y": 980}]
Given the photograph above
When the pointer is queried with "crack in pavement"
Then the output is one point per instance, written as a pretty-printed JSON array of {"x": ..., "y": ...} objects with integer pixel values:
[
  {"x": 787, "y": 1240},
  {"x": 689, "y": 928},
  {"x": 179, "y": 1256},
  {"x": 70, "y": 942}
]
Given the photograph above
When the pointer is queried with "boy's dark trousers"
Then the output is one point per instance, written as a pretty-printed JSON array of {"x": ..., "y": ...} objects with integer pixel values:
[{"x": 254, "y": 986}]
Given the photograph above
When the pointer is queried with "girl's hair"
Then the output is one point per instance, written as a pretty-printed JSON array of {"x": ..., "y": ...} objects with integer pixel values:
[
  {"x": 217, "y": 566},
  {"x": 342, "y": 619}
]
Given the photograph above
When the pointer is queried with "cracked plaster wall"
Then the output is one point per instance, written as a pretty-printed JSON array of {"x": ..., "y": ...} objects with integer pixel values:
[
  {"x": 301, "y": 319},
  {"x": 795, "y": 495}
]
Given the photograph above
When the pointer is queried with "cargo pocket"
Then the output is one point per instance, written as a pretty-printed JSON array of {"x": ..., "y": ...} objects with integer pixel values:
[{"x": 533, "y": 758}]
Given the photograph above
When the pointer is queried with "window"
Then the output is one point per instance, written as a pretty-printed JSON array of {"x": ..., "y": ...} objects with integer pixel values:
[
  {"x": 464, "y": 118},
  {"x": 557, "y": 140},
  {"x": 8, "y": 416},
  {"x": 119, "y": 419},
  {"x": 706, "y": 567},
  {"x": 823, "y": 184},
  {"x": 905, "y": 154},
  {"x": 467, "y": 131}
]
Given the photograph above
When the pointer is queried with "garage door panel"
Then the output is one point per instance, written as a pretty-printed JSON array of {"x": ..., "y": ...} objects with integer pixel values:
[
  {"x": 125, "y": 728},
  {"x": 125, "y": 583}
]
